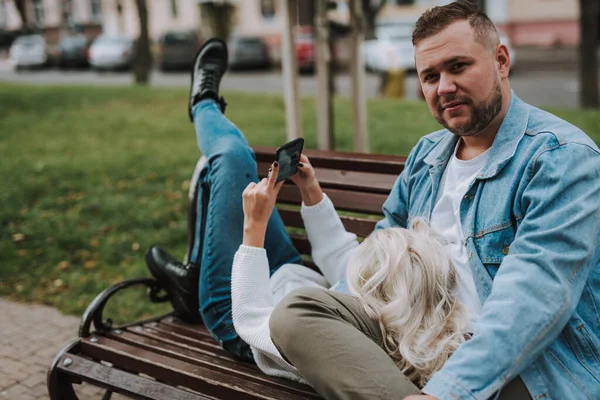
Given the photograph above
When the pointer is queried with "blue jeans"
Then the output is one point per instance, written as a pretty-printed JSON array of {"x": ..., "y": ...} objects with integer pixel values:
[{"x": 230, "y": 168}]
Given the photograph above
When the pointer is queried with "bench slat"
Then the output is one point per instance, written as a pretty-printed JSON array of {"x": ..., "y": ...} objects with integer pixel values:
[
  {"x": 301, "y": 243},
  {"x": 194, "y": 356},
  {"x": 123, "y": 382},
  {"x": 209, "y": 381},
  {"x": 359, "y": 226},
  {"x": 343, "y": 200},
  {"x": 378, "y": 163},
  {"x": 349, "y": 180},
  {"x": 208, "y": 349}
]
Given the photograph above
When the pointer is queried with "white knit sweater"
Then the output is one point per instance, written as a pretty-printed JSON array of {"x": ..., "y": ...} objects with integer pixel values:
[{"x": 255, "y": 295}]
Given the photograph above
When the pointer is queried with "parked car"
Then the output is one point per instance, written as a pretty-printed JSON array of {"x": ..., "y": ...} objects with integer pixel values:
[
  {"x": 73, "y": 51},
  {"x": 393, "y": 47},
  {"x": 177, "y": 50},
  {"x": 6, "y": 38},
  {"x": 305, "y": 49},
  {"x": 111, "y": 52},
  {"x": 29, "y": 51},
  {"x": 248, "y": 52}
]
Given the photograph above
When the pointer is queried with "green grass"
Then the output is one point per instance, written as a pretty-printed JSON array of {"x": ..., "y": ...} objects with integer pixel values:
[{"x": 92, "y": 176}]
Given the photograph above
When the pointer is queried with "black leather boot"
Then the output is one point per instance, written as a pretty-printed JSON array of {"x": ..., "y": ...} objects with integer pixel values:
[
  {"x": 179, "y": 280},
  {"x": 209, "y": 66}
]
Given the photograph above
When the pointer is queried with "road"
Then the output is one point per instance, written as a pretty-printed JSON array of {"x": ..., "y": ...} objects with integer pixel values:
[{"x": 536, "y": 84}]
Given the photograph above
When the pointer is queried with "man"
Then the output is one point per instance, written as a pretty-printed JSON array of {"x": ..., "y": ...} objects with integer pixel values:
[{"x": 516, "y": 193}]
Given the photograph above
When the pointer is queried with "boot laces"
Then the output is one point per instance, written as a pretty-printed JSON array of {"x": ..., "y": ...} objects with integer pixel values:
[{"x": 207, "y": 80}]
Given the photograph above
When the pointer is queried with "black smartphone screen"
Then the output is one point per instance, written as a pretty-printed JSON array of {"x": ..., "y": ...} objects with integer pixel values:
[{"x": 288, "y": 157}]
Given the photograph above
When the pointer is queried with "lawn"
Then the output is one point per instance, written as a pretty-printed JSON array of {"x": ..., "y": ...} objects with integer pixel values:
[{"x": 93, "y": 176}]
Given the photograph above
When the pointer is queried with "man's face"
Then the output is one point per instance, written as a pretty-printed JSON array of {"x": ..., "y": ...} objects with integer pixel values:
[{"x": 459, "y": 78}]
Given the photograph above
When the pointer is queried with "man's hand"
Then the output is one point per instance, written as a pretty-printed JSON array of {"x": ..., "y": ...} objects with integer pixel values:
[
  {"x": 258, "y": 201},
  {"x": 420, "y": 397}
]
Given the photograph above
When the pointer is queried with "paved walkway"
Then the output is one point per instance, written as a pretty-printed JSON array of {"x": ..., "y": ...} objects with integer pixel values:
[{"x": 30, "y": 337}]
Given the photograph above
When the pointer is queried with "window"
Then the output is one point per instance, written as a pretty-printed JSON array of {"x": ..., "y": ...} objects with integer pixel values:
[
  {"x": 38, "y": 11},
  {"x": 96, "y": 9},
  {"x": 267, "y": 8},
  {"x": 174, "y": 8}
]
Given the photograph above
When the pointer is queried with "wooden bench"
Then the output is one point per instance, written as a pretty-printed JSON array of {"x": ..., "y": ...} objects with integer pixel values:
[{"x": 165, "y": 358}]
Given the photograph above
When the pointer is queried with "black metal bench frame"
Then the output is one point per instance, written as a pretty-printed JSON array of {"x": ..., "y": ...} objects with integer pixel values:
[{"x": 165, "y": 358}]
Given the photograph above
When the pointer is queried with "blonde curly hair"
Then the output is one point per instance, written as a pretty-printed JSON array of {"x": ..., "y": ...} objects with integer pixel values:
[{"x": 406, "y": 281}]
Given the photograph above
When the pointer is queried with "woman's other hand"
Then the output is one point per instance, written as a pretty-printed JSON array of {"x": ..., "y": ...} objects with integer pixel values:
[
  {"x": 307, "y": 182},
  {"x": 258, "y": 202}
]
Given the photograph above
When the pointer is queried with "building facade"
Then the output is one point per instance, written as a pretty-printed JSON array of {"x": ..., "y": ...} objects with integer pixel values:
[
  {"x": 526, "y": 23},
  {"x": 531, "y": 22},
  {"x": 51, "y": 17}
]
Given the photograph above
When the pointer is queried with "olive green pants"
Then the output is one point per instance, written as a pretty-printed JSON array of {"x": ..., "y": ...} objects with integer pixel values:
[{"x": 337, "y": 347}]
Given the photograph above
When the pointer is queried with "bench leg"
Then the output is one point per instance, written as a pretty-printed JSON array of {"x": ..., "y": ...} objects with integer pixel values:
[
  {"x": 60, "y": 386},
  {"x": 107, "y": 395}
]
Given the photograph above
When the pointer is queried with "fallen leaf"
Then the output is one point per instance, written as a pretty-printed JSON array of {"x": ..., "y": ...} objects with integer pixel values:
[
  {"x": 171, "y": 196},
  {"x": 22, "y": 252},
  {"x": 63, "y": 265},
  {"x": 58, "y": 283},
  {"x": 135, "y": 246},
  {"x": 94, "y": 242},
  {"x": 18, "y": 237},
  {"x": 90, "y": 264}
]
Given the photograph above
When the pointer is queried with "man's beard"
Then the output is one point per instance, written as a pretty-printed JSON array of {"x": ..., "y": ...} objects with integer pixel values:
[{"x": 481, "y": 115}]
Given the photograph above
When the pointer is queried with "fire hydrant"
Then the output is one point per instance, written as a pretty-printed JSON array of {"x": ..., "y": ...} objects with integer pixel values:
[{"x": 393, "y": 83}]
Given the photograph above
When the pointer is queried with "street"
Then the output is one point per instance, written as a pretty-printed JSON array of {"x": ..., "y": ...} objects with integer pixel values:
[{"x": 541, "y": 84}]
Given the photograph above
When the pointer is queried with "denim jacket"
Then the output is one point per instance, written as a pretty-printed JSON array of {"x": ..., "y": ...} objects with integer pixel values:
[{"x": 530, "y": 224}]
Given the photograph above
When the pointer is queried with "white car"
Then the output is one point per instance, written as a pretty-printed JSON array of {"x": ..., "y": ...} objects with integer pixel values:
[
  {"x": 28, "y": 51},
  {"x": 393, "y": 47},
  {"x": 111, "y": 52}
]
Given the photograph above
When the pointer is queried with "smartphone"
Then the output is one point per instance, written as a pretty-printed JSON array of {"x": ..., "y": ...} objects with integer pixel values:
[{"x": 288, "y": 157}]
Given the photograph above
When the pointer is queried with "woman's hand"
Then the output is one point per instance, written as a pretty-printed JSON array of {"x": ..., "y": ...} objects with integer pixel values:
[
  {"x": 258, "y": 202},
  {"x": 307, "y": 182}
]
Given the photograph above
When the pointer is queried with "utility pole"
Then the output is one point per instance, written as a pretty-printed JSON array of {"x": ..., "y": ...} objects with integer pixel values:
[{"x": 589, "y": 15}]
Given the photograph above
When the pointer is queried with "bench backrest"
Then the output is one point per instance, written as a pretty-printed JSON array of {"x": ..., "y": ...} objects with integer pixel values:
[{"x": 356, "y": 183}]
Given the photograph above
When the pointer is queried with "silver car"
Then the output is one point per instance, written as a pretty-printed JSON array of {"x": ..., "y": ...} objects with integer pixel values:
[
  {"x": 29, "y": 51},
  {"x": 111, "y": 52}
]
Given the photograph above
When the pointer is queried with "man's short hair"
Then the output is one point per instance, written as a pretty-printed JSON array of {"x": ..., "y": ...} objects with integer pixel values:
[{"x": 438, "y": 18}]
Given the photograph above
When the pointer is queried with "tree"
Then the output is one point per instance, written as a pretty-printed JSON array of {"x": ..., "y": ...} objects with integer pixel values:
[
  {"x": 22, "y": 9},
  {"x": 589, "y": 11},
  {"x": 370, "y": 10},
  {"x": 218, "y": 15},
  {"x": 142, "y": 58}
]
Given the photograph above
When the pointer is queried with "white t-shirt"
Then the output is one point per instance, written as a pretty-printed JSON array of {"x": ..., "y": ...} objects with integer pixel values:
[{"x": 445, "y": 219}]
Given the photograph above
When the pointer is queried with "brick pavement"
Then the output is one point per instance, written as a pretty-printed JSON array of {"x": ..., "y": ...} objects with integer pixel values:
[{"x": 30, "y": 337}]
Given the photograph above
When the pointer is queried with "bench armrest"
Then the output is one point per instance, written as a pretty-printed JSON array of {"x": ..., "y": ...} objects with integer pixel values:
[{"x": 95, "y": 309}]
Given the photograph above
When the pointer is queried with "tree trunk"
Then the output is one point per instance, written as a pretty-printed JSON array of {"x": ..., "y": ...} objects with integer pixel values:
[
  {"x": 322, "y": 31},
  {"x": 370, "y": 12},
  {"x": 219, "y": 17},
  {"x": 142, "y": 61},
  {"x": 588, "y": 56},
  {"x": 22, "y": 9}
]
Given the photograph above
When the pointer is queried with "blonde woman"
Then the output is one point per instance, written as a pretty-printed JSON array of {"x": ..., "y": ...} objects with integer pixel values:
[{"x": 403, "y": 278}]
